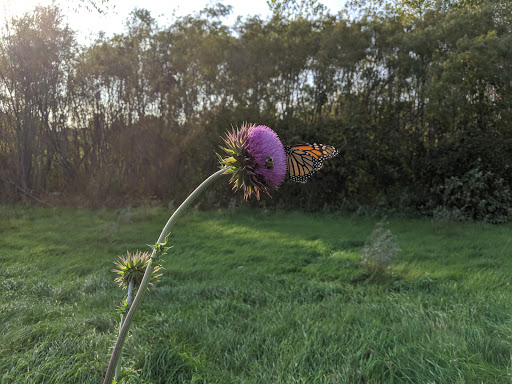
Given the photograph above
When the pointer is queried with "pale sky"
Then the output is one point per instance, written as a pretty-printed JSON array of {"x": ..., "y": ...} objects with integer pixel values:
[{"x": 91, "y": 22}]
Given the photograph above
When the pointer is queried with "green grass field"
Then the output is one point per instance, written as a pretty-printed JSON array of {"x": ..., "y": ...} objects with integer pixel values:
[{"x": 254, "y": 296}]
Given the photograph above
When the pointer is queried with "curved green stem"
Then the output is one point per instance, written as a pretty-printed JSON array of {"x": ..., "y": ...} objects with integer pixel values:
[
  {"x": 147, "y": 275},
  {"x": 117, "y": 373}
]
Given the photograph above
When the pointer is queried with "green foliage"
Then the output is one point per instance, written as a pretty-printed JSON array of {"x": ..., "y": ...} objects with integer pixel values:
[
  {"x": 255, "y": 296},
  {"x": 294, "y": 9},
  {"x": 477, "y": 195}
]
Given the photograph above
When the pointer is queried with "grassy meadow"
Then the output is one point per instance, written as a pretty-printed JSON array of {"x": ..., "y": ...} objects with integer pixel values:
[{"x": 254, "y": 296}]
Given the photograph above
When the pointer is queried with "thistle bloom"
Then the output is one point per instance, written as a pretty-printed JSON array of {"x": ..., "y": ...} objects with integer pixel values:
[{"x": 256, "y": 157}]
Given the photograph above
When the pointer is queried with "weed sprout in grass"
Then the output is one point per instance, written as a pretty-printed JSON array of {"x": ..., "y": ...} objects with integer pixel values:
[{"x": 256, "y": 160}]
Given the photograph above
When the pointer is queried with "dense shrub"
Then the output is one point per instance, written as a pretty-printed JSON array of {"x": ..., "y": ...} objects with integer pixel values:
[{"x": 478, "y": 194}]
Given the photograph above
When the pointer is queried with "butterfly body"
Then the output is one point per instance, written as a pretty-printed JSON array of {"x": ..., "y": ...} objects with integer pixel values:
[{"x": 304, "y": 160}]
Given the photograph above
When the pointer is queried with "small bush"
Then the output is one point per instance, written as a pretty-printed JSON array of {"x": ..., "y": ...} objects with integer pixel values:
[{"x": 380, "y": 250}]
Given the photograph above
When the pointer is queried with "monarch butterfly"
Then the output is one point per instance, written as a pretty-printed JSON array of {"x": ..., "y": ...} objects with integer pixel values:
[{"x": 305, "y": 159}]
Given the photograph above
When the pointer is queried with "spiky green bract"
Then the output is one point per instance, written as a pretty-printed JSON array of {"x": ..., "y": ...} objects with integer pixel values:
[
  {"x": 133, "y": 267},
  {"x": 241, "y": 162}
]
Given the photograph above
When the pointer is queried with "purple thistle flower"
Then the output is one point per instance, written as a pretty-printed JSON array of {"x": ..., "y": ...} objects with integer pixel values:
[
  {"x": 256, "y": 157},
  {"x": 269, "y": 155}
]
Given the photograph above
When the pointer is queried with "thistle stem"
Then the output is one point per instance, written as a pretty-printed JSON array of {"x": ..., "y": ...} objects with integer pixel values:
[
  {"x": 130, "y": 292},
  {"x": 147, "y": 275},
  {"x": 129, "y": 296}
]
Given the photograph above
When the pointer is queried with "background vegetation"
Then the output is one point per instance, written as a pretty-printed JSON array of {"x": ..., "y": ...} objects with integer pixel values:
[
  {"x": 254, "y": 296},
  {"x": 417, "y": 95}
]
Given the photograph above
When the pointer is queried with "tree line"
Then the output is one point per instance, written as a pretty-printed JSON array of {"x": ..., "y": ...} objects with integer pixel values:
[{"x": 416, "y": 95}]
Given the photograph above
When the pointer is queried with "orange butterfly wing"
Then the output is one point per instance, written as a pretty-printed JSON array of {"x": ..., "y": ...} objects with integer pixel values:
[{"x": 305, "y": 159}]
